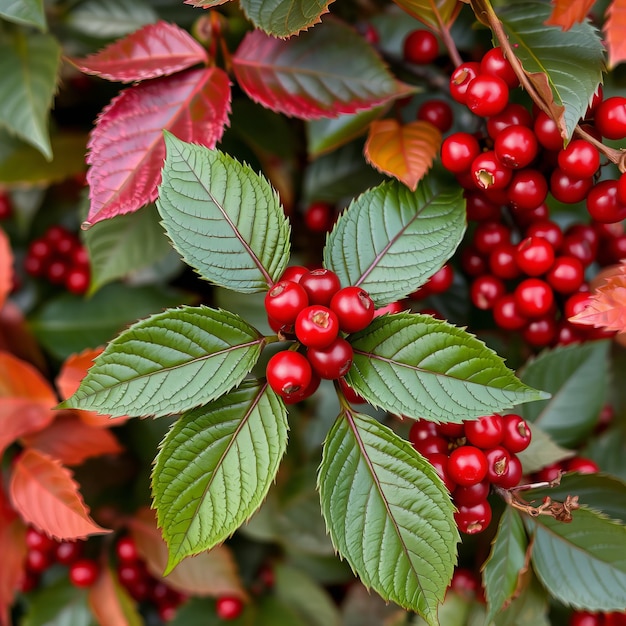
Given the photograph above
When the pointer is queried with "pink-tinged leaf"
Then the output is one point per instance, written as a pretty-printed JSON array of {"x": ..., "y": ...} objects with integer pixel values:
[
  {"x": 20, "y": 417},
  {"x": 6, "y": 267},
  {"x": 323, "y": 72},
  {"x": 126, "y": 148},
  {"x": 154, "y": 50},
  {"x": 19, "y": 379},
  {"x": 111, "y": 604},
  {"x": 566, "y": 13},
  {"x": 46, "y": 496},
  {"x": 13, "y": 550},
  {"x": 212, "y": 573},
  {"x": 607, "y": 304},
  {"x": 71, "y": 441},
  {"x": 615, "y": 32},
  {"x": 404, "y": 151}
]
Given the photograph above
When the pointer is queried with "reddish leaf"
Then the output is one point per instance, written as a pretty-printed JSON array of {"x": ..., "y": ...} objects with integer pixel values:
[
  {"x": 212, "y": 573},
  {"x": 110, "y": 602},
  {"x": 154, "y": 50},
  {"x": 607, "y": 305},
  {"x": 20, "y": 417},
  {"x": 71, "y": 441},
  {"x": 21, "y": 380},
  {"x": 566, "y": 13},
  {"x": 433, "y": 13},
  {"x": 126, "y": 149},
  {"x": 16, "y": 338},
  {"x": 6, "y": 267},
  {"x": 205, "y": 4},
  {"x": 405, "y": 151},
  {"x": 323, "y": 72},
  {"x": 13, "y": 551},
  {"x": 615, "y": 32},
  {"x": 45, "y": 495}
]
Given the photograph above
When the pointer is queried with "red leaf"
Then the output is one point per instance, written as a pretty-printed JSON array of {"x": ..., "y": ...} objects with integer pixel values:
[
  {"x": 212, "y": 573},
  {"x": 21, "y": 380},
  {"x": 20, "y": 417},
  {"x": 154, "y": 50},
  {"x": 16, "y": 337},
  {"x": 110, "y": 602},
  {"x": 615, "y": 32},
  {"x": 565, "y": 13},
  {"x": 6, "y": 267},
  {"x": 607, "y": 305},
  {"x": 45, "y": 495},
  {"x": 323, "y": 72},
  {"x": 126, "y": 149},
  {"x": 71, "y": 441}
]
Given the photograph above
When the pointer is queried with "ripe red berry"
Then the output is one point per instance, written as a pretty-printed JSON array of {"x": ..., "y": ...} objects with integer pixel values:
[
  {"x": 458, "y": 151},
  {"x": 285, "y": 300},
  {"x": 77, "y": 280},
  {"x": 294, "y": 273},
  {"x": 126, "y": 550},
  {"x": 473, "y": 262},
  {"x": 480, "y": 208},
  {"x": 621, "y": 189},
  {"x": 516, "y": 434},
  {"x": 489, "y": 235},
  {"x": 502, "y": 261},
  {"x": 485, "y": 291},
  {"x": 498, "y": 459},
  {"x": 420, "y": 47},
  {"x": 603, "y": 204},
  {"x": 349, "y": 393},
  {"x": 317, "y": 326},
  {"x": 579, "y": 159},
  {"x": 460, "y": 79},
  {"x": 331, "y": 362},
  {"x": 581, "y": 465},
  {"x": 547, "y": 132},
  {"x": 485, "y": 432},
  {"x": 438, "y": 113},
  {"x": 540, "y": 332},
  {"x": 569, "y": 189},
  {"x": 439, "y": 462},
  {"x": 354, "y": 308},
  {"x": 534, "y": 297},
  {"x": 288, "y": 372},
  {"x": 535, "y": 255},
  {"x": 566, "y": 275},
  {"x": 584, "y": 618},
  {"x": 547, "y": 230},
  {"x": 84, "y": 573},
  {"x": 527, "y": 189},
  {"x": 610, "y": 117},
  {"x": 506, "y": 314},
  {"x": 467, "y": 465},
  {"x": 473, "y": 519},
  {"x": 512, "y": 475},
  {"x": 516, "y": 146},
  {"x": 305, "y": 393},
  {"x": 472, "y": 495},
  {"x": 421, "y": 429},
  {"x": 228, "y": 607},
  {"x": 495, "y": 63},
  {"x": 489, "y": 173},
  {"x": 487, "y": 95},
  {"x": 38, "y": 540},
  {"x": 513, "y": 114},
  {"x": 319, "y": 217},
  {"x": 431, "y": 445},
  {"x": 577, "y": 245},
  {"x": 440, "y": 281},
  {"x": 67, "y": 552},
  {"x": 37, "y": 561},
  {"x": 320, "y": 285},
  {"x": 451, "y": 430}
]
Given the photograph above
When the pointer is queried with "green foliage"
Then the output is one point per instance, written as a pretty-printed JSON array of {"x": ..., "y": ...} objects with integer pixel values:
[
  {"x": 215, "y": 466},
  {"x": 542, "y": 451},
  {"x": 59, "y": 603},
  {"x": 169, "y": 363},
  {"x": 420, "y": 367},
  {"x": 388, "y": 513},
  {"x": 26, "y": 12},
  {"x": 283, "y": 18},
  {"x": 392, "y": 231},
  {"x": 225, "y": 220}
]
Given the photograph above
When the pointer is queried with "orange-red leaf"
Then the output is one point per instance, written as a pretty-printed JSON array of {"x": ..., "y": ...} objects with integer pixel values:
[
  {"x": 566, "y": 13},
  {"x": 20, "y": 417},
  {"x": 71, "y": 441},
  {"x": 607, "y": 304},
  {"x": 6, "y": 267},
  {"x": 212, "y": 573},
  {"x": 110, "y": 602},
  {"x": 21, "y": 380},
  {"x": 46, "y": 496},
  {"x": 16, "y": 337},
  {"x": 404, "y": 151},
  {"x": 615, "y": 32}
]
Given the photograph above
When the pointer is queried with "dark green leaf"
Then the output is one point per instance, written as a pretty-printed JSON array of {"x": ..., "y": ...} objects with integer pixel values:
[
  {"x": 609, "y": 450},
  {"x": 542, "y": 451},
  {"x": 421, "y": 367},
  {"x": 283, "y": 18},
  {"x": 215, "y": 467},
  {"x": 223, "y": 218},
  {"x": 428, "y": 11},
  {"x": 59, "y": 604},
  {"x": 572, "y": 59},
  {"x": 125, "y": 244},
  {"x": 388, "y": 513},
  {"x": 506, "y": 560},
  {"x": 582, "y": 564},
  {"x": 577, "y": 377},
  {"x": 169, "y": 363},
  {"x": 530, "y": 608},
  {"x": 27, "y": 12},
  {"x": 68, "y": 324},
  {"x": 390, "y": 240},
  {"x": 28, "y": 77}
]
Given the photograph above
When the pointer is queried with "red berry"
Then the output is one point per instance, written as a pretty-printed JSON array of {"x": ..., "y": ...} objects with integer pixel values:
[
  {"x": 294, "y": 273},
  {"x": 439, "y": 462},
  {"x": 167, "y": 611},
  {"x": 467, "y": 465},
  {"x": 513, "y": 114},
  {"x": 350, "y": 394},
  {"x": 460, "y": 79},
  {"x": 431, "y": 445},
  {"x": 527, "y": 189},
  {"x": 516, "y": 434},
  {"x": 533, "y": 297},
  {"x": 575, "y": 304},
  {"x": 392, "y": 307},
  {"x": 535, "y": 255},
  {"x": 603, "y": 204},
  {"x": 547, "y": 132},
  {"x": 421, "y": 429},
  {"x": 581, "y": 465},
  {"x": 512, "y": 475},
  {"x": 584, "y": 618},
  {"x": 38, "y": 540},
  {"x": 440, "y": 281},
  {"x": 317, "y": 326},
  {"x": 37, "y": 561},
  {"x": 420, "y": 47},
  {"x": 228, "y": 607},
  {"x": 320, "y": 285},
  {"x": 485, "y": 432},
  {"x": 495, "y": 63},
  {"x": 488, "y": 235},
  {"x": 319, "y": 217},
  {"x": 451, "y": 430},
  {"x": 480, "y": 208},
  {"x": 438, "y": 113},
  {"x": 465, "y": 582},
  {"x": 621, "y": 189},
  {"x": 473, "y": 519},
  {"x": 305, "y": 393},
  {"x": 610, "y": 117},
  {"x": 579, "y": 159},
  {"x": 84, "y": 573},
  {"x": 6, "y": 207},
  {"x": 569, "y": 189},
  {"x": 485, "y": 291},
  {"x": 487, "y": 95},
  {"x": 354, "y": 308},
  {"x": 516, "y": 146},
  {"x": 566, "y": 275},
  {"x": 288, "y": 373},
  {"x": 549, "y": 472},
  {"x": 577, "y": 245},
  {"x": 489, "y": 173},
  {"x": 331, "y": 362},
  {"x": 77, "y": 280},
  {"x": 540, "y": 332},
  {"x": 498, "y": 459},
  {"x": 506, "y": 314},
  {"x": 458, "y": 151},
  {"x": 67, "y": 552},
  {"x": 132, "y": 575},
  {"x": 126, "y": 550},
  {"x": 285, "y": 300},
  {"x": 502, "y": 261},
  {"x": 472, "y": 261},
  {"x": 472, "y": 495},
  {"x": 546, "y": 229}
]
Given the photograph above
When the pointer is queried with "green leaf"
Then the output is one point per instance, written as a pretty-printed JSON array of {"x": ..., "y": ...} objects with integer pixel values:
[
  {"x": 215, "y": 467},
  {"x": 169, "y": 363},
  {"x": 582, "y": 564},
  {"x": 415, "y": 365},
  {"x": 58, "y": 604},
  {"x": 599, "y": 492},
  {"x": 68, "y": 324},
  {"x": 283, "y": 18},
  {"x": 572, "y": 59},
  {"x": 225, "y": 220},
  {"x": 109, "y": 19},
  {"x": 542, "y": 451},
  {"x": 506, "y": 560},
  {"x": 388, "y": 513},
  {"x": 124, "y": 244},
  {"x": 609, "y": 450},
  {"x": 390, "y": 240},
  {"x": 427, "y": 10},
  {"x": 530, "y": 608},
  {"x": 577, "y": 377},
  {"x": 26, "y": 12},
  {"x": 29, "y": 64}
]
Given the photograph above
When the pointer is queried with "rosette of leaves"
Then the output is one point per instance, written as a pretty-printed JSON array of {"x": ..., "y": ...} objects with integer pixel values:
[{"x": 387, "y": 511}]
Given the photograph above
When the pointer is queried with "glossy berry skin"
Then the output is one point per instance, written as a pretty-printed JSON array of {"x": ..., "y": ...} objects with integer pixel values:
[
  {"x": 579, "y": 159},
  {"x": 440, "y": 463},
  {"x": 77, "y": 280},
  {"x": 621, "y": 189},
  {"x": 487, "y": 95},
  {"x": 84, "y": 573},
  {"x": 421, "y": 429},
  {"x": 285, "y": 300},
  {"x": 547, "y": 132},
  {"x": 546, "y": 229},
  {"x": 349, "y": 393},
  {"x": 420, "y": 47},
  {"x": 516, "y": 435},
  {"x": 68, "y": 552},
  {"x": 472, "y": 495},
  {"x": 316, "y": 326},
  {"x": 535, "y": 255},
  {"x": 502, "y": 261},
  {"x": 610, "y": 117},
  {"x": 333, "y": 361},
  {"x": 569, "y": 189},
  {"x": 467, "y": 465},
  {"x": 319, "y": 217},
  {"x": 485, "y": 291},
  {"x": 37, "y": 561},
  {"x": 485, "y": 432},
  {"x": 584, "y": 618},
  {"x": 534, "y": 297},
  {"x": 498, "y": 459},
  {"x": 488, "y": 235},
  {"x": 512, "y": 475},
  {"x": 458, "y": 151},
  {"x": 320, "y": 285},
  {"x": 540, "y": 332},
  {"x": 354, "y": 309},
  {"x": 288, "y": 373},
  {"x": 480, "y": 208},
  {"x": 527, "y": 189},
  {"x": 38, "y": 540},
  {"x": 431, "y": 445},
  {"x": 473, "y": 519},
  {"x": 438, "y": 113},
  {"x": 294, "y": 273},
  {"x": 440, "y": 281},
  {"x": 512, "y": 115},
  {"x": 603, "y": 204},
  {"x": 228, "y": 607},
  {"x": 305, "y": 393},
  {"x": 566, "y": 275},
  {"x": 581, "y": 465},
  {"x": 460, "y": 79},
  {"x": 451, "y": 430},
  {"x": 495, "y": 63},
  {"x": 516, "y": 146},
  {"x": 126, "y": 550},
  {"x": 506, "y": 314},
  {"x": 489, "y": 173}
]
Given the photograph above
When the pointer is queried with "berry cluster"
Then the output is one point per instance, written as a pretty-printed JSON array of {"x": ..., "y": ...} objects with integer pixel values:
[
  {"x": 311, "y": 307},
  {"x": 59, "y": 257},
  {"x": 471, "y": 457},
  {"x": 579, "y": 464},
  {"x": 585, "y": 618}
]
